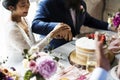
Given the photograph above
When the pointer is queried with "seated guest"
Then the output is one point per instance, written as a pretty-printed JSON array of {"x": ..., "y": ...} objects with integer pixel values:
[
  {"x": 19, "y": 35},
  {"x": 103, "y": 65},
  {"x": 101, "y": 72},
  {"x": 115, "y": 48},
  {"x": 71, "y": 12}
]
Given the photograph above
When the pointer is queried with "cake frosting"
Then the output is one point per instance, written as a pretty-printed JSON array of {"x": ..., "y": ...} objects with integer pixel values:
[
  {"x": 84, "y": 48},
  {"x": 85, "y": 43}
]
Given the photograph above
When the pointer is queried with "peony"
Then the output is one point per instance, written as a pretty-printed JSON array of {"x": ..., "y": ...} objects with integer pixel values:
[
  {"x": 46, "y": 66},
  {"x": 116, "y": 19},
  {"x": 41, "y": 65}
]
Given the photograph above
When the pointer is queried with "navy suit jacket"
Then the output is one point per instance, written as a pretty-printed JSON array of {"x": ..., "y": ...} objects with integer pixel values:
[{"x": 52, "y": 12}]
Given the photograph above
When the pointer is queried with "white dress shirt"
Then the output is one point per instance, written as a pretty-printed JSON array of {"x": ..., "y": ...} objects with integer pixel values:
[
  {"x": 73, "y": 14},
  {"x": 99, "y": 74}
]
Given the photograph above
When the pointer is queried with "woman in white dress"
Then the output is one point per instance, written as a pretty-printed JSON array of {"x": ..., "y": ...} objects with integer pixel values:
[{"x": 19, "y": 36}]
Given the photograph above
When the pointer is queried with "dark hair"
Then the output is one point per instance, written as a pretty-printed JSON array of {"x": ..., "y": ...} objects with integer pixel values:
[{"x": 7, "y": 3}]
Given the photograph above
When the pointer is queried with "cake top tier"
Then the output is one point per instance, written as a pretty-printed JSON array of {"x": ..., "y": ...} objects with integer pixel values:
[{"x": 86, "y": 43}]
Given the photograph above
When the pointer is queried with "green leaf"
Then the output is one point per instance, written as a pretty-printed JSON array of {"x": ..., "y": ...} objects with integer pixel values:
[
  {"x": 56, "y": 58},
  {"x": 25, "y": 51},
  {"x": 39, "y": 77},
  {"x": 28, "y": 75}
]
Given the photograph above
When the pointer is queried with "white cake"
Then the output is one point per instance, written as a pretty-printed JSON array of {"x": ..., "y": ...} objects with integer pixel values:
[{"x": 84, "y": 48}]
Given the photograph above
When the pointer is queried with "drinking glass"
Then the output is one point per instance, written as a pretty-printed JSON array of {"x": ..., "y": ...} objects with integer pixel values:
[{"x": 91, "y": 62}]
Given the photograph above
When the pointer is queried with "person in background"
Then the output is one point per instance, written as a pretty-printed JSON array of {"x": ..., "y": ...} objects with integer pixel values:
[
  {"x": 71, "y": 12},
  {"x": 103, "y": 65},
  {"x": 19, "y": 35},
  {"x": 102, "y": 71},
  {"x": 114, "y": 47}
]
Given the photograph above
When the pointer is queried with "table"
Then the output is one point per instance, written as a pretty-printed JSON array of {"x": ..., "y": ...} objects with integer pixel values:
[{"x": 64, "y": 50}]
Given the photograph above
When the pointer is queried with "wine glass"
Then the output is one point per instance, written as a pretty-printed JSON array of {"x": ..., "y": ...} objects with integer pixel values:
[{"x": 91, "y": 62}]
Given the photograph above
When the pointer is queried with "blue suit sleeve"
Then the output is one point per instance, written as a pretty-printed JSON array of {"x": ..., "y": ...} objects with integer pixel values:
[
  {"x": 42, "y": 23},
  {"x": 94, "y": 23}
]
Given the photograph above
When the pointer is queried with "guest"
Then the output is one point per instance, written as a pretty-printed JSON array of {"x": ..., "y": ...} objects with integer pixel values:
[
  {"x": 18, "y": 34},
  {"x": 71, "y": 12},
  {"x": 103, "y": 65},
  {"x": 115, "y": 48},
  {"x": 102, "y": 71}
]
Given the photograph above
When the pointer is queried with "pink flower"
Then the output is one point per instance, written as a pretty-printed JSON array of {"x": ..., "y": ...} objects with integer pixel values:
[
  {"x": 82, "y": 77},
  {"x": 116, "y": 19},
  {"x": 33, "y": 66},
  {"x": 46, "y": 66}
]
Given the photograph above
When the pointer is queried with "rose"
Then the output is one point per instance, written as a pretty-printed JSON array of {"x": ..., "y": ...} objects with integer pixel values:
[
  {"x": 33, "y": 66},
  {"x": 46, "y": 66}
]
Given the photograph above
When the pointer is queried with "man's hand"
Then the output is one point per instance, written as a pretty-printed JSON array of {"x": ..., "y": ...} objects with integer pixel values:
[
  {"x": 102, "y": 61},
  {"x": 62, "y": 31},
  {"x": 113, "y": 28}
]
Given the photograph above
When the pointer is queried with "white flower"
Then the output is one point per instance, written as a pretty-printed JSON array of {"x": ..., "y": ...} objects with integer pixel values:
[
  {"x": 110, "y": 20},
  {"x": 25, "y": 63}
]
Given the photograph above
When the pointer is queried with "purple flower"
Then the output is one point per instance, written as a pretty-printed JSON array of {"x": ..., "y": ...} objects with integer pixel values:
[
  {"x": 46, "y": 66},
  {"x": 9, "y": 78},
  {"x": 116, "y": 19}
]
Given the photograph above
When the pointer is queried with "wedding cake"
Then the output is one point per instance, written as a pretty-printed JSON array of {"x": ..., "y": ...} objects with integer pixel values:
[{"x": 84, "y": 48}]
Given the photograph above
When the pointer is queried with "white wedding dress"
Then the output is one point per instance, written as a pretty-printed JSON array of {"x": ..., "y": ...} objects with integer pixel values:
[{"x": 14, "y": 41}]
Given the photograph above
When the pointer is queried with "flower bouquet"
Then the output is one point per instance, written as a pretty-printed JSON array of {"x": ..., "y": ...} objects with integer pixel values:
[
  {"x": 40, "y": 66},
  {"x": 114, "y": 19}
]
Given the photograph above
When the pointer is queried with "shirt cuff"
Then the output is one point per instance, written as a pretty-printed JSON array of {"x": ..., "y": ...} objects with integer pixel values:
[
  {"x": 109, "y": 26},
  {"x": 99, "y": 74}
]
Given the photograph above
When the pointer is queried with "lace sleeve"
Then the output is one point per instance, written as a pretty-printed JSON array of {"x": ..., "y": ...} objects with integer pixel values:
[{"x": 42, "y": 43}]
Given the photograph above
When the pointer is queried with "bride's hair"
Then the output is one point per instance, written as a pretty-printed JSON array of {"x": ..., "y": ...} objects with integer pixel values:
[{"x": 7, "y": 3}]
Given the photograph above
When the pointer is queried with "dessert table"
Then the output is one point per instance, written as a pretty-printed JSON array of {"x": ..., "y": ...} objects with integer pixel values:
[{"x": 63, "y": 52}]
